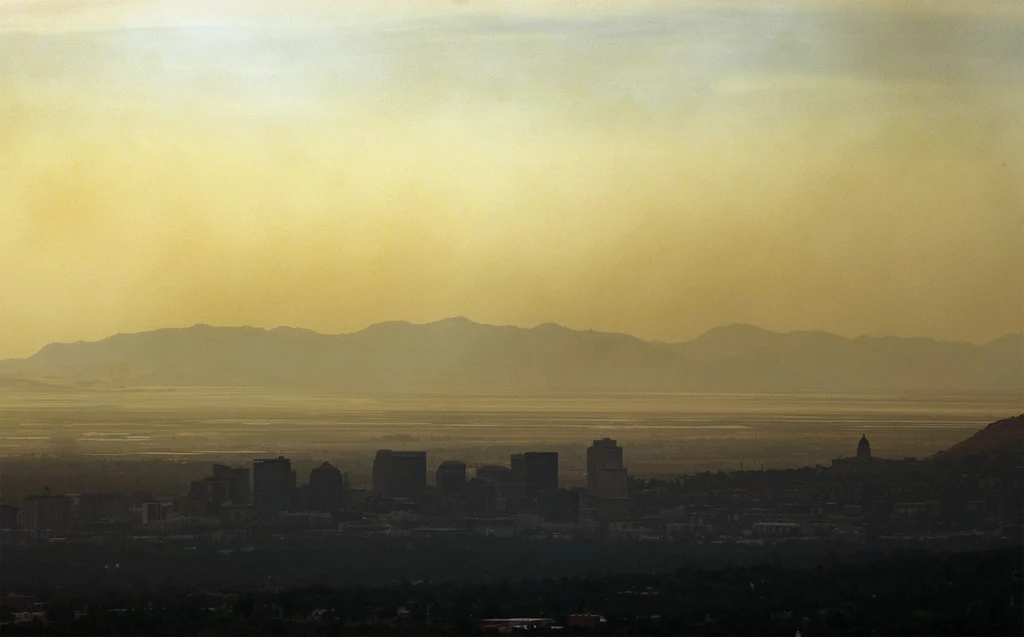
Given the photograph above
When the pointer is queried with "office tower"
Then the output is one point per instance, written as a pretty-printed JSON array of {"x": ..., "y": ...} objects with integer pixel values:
[
  {"x": 399, "y": 474},
  {"x": 518, "y": 464},
  {"x": 326, "y": 490},
  {"x": 451, "y": 477},
  {"x": 46, "y": 512},
  {"x": 607, "y": 497},
  {"x": 604, "y": 453},
  {"x": 10, "y": 517},
  {"x": 239, "y": 491},
  {"x": 153, "y": 513},
  {"x": 540, "y": 471},
  {"x": 273, "y": 484},
  {"x": 209, "y": 492},
  {"x": 494, "y": 474},
  {"x": 481, "y": 497}
]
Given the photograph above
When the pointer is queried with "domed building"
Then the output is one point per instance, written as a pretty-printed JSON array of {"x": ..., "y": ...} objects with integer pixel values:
[
  {"x": 863, "y": 448},
  {"x": 865, "y": 462}
]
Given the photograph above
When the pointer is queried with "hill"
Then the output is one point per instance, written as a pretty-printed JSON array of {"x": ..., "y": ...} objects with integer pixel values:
[
  {"x": 1003, "y": 437},
  {"x": 458, "y": 355}
]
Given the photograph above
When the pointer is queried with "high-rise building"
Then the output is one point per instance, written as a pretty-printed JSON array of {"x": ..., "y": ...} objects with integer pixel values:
[
  {"x": 210, "y": 493},
  {"x": 607, "y": 497},
  {"x": 451, "y": 477},
  {"x": 237, "y": 478},
  {"x": 46, "y": 512},
  {"x": 153, "y": 513},
  {"x": 540, "y": 471},
  {"x": 494, "y": 474},
  {"x": 604, "y": 453},
  {"x": 10, "y": 517},
  {"x": 326, "y": 490},
  {"x": 399, "y": 473},
  {"x": 273, "y": 484},
  {"x": 518, "y": 464}
]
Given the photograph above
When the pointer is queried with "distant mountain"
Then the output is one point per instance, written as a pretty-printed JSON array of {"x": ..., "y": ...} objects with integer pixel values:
[
  {"x": 1003, "y": 437},
  {"x": 458, "y": 355}
]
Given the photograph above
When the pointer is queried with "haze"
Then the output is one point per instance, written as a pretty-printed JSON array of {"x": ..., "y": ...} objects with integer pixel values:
[{"x": 850, "y": 167}]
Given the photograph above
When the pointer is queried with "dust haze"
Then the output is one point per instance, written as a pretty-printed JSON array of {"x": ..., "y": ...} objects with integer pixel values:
[{"x": 655, "y": 172}]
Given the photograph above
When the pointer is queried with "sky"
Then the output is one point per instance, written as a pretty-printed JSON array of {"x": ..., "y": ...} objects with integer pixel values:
[{"x": 855, "y": 167}]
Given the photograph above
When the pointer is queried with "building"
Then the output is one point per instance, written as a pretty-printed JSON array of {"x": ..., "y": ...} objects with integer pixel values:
[
  {"x": 518, "y": 464},
  {"x": 326, "y": 490},
  {"x": 209, "y": 493},
  {"x": 607, "y": 497},
  {"x": 540, "y": 471},
  {"x": 237, "y": 479},
  {"x": 451, "y": 477},
  {"x": 514, "y": 623},
  {"x": 273, "y": 482},
  {"x": 584, "y": 620},
  {"x": 90, "y": 509},
  {"x": 606, "y": 477},
  {"x": 864, "y": 462},
  {"x": 494, "y": 474},
  {"x": 46, "y": 512},
  {"x": 225, "y": 484},
  {"x": 399, "y": 474},
  {"x": 10, "y": 517},
  {"x": 154, "y": 513},
  {"x": 237, "y": 514},
  {"x": 864, "y": 448}
]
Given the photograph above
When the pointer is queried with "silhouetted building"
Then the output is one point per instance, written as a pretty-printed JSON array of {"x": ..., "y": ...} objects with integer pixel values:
[
  {"x": 540, "y": 471},
  {"x": 153, "y": 513},
  {"x": 607, "y": 497},
  {"x": 482, "y": 497},
  {"x": 863, "y": 448},
  {"x": 494, "y": 474},
  {"x": 511, "y": 624},
  {"x": 237, "y": 478},
  {"x": 237, "y": 514},
  {"x": 518, "y": 464},
  {"x": 209, "y": 493},
  {"x": 606, "y": 477},
  {"x": 93, "y": 508},
  {"x": 46, "y": 512},
  {"x": 864, "y": 462},
  {"x": 399, "y": 473},
  {"x": 10, "y": 517},
  {"x": 273, "y": 482},
  {"x": 451, "y": 477},
  {"x": 326, "y": 490}
]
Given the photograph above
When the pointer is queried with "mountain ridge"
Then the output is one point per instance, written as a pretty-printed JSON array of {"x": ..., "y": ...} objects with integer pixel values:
[{"x": 457, "y": 354}]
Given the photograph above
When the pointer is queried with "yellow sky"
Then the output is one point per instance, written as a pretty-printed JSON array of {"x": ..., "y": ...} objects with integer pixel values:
[{"x": 854, "y": 167}]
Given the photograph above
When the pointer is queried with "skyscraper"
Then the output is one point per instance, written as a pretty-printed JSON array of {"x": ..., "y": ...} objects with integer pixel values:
[
  {"x": 540, "y": 471},
  {"x": 451, "y": 477},
  {"x": 518, "y": 464},
  {"x": 46, "y": 512},
  {"x": 399, "y": 473},
  {"x": 237, "y": 478},
  {"x": 607, "y": 497},
  {"x": 326, "y": 488},
  {"x": 603, "y": 453},
  {"x": 273, "y": 484}
]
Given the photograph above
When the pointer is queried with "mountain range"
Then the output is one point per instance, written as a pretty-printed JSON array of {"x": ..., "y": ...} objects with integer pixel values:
[{"x": 458, "y": 355}]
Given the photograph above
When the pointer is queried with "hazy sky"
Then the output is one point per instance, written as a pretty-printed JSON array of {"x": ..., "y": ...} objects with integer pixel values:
[{"x": 855, "y": 167}]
